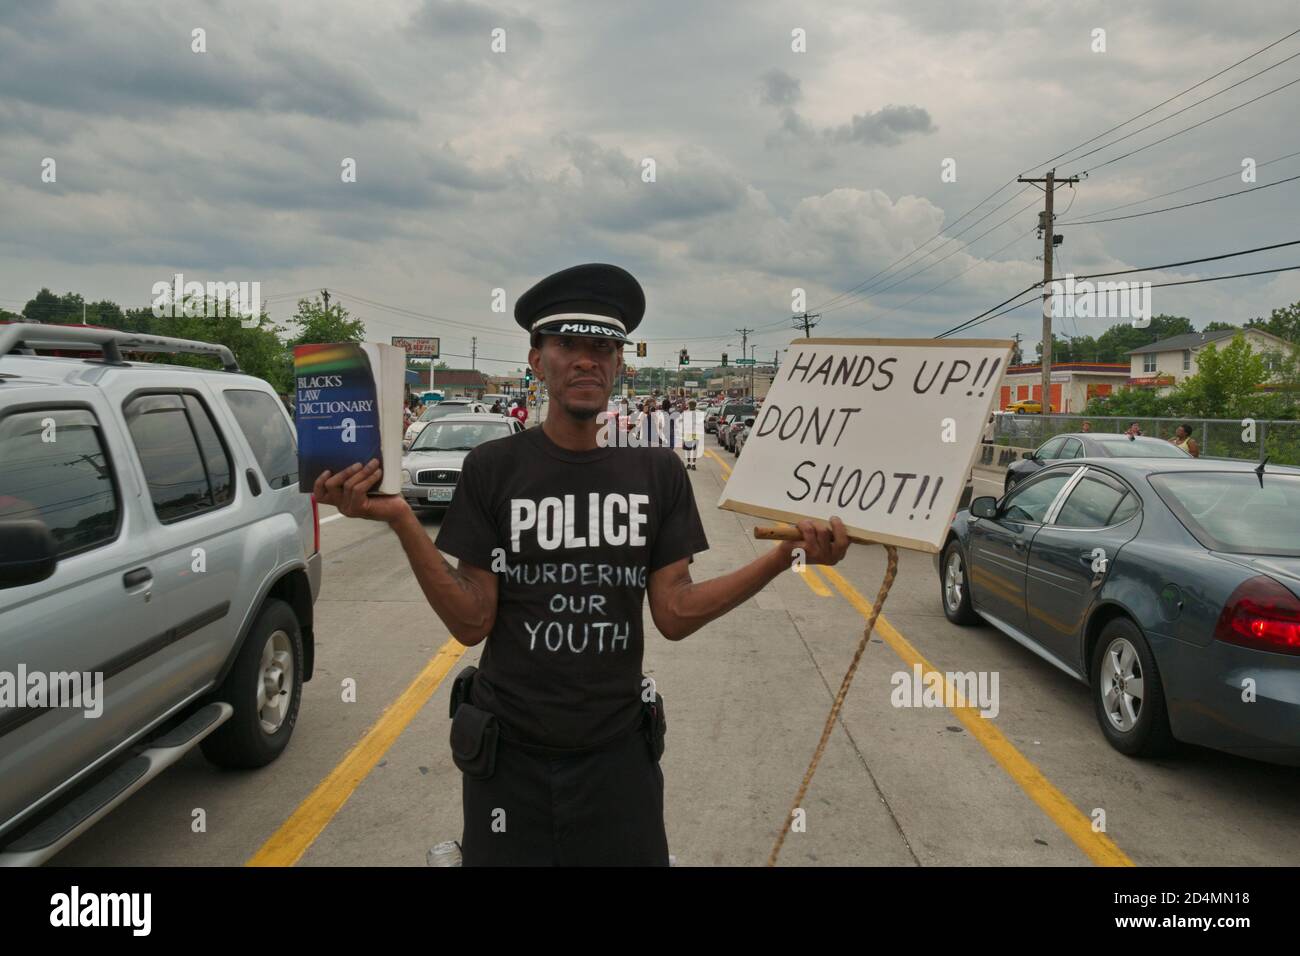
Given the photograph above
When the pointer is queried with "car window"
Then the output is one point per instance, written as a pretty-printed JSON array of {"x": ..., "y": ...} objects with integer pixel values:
[
  {"x": 1073, "y": 448},
  {"x": 1093, "y": 503},
  {"x": 54, "y": 468},
  {"x": 1120, "y": 446},
  {"x": 1235, "y": 511},
  {"x": 1030, "y": 501},
  {"x": 1048, "y": 450},
  {"x": 458, "y": 436},
  {"x": 268, "y": 434},
  {"x": 1127, "y": 508},
  {"x": 185, "y": 465}
]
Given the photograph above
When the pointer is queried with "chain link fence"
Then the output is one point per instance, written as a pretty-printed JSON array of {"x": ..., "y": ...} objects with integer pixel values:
[{"x": 1247, "y": 439}]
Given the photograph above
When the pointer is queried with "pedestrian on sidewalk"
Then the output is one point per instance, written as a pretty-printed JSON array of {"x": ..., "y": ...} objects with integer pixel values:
[
  {"x": 692, "y": 434},
  {"x": 561, "y": 542}
]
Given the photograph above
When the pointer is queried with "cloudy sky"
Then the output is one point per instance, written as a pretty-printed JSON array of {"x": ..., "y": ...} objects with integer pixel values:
[{"x": 774, "y": 169}]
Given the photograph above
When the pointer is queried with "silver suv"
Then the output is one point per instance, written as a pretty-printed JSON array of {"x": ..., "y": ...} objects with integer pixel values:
[{"x": 158, "y": 570}]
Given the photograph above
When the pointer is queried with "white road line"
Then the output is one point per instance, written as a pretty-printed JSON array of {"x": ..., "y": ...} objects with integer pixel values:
[{"x": 332, "y": 518}]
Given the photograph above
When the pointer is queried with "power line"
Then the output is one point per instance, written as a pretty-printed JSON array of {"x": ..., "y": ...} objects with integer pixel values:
[
  {"x": 1173, "y": 192},
  {"x": 1153, "y": 285},
  {"x": 1101, "y": 275},
  {"x": 824, "y": 305},
  {"x": 913, "y": 275},
  {"x": 1199, "y": 202},
  {"x": 1190, "y": 106},
  {"x": 1188, "y": 129},
  {"x": 920, "y": 247},
  {"x": 1164, "y": 103}
]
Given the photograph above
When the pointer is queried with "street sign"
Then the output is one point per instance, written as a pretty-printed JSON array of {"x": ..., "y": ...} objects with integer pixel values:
[
  {"x": 417, "y": 347},
  {"x": 691, "y": 384},
  {"x": 746, "y": 361}
]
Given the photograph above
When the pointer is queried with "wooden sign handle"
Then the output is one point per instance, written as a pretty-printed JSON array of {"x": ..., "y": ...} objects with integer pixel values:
[{"x": 783, "y": 533}]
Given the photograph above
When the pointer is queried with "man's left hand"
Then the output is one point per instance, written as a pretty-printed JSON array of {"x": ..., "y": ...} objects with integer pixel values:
[{"x": 822, "y": 543}]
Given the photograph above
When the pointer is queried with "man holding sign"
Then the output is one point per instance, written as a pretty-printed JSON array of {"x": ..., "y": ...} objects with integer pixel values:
[{"x": 560, "y": 538}]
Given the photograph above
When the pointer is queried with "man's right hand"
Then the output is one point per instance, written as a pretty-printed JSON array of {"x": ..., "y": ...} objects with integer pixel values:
[{"x": 349, "y": 491}]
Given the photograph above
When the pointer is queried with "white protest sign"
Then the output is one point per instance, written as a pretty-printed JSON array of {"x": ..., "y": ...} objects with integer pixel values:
[{"x": 879, "y": 432}]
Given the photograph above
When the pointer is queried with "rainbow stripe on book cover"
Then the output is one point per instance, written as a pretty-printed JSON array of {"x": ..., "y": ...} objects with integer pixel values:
[{"x": 336, "y": 409}]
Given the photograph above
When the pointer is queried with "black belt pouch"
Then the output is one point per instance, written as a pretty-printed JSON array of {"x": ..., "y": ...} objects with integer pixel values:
[
  {"x": 655, "y": 725},
  {"x": 474, "y": 735}
]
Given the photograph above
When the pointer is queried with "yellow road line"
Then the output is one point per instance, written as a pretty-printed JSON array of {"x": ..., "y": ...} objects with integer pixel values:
[
  {"x": 1096, "y": 846},
  {"x": 808, "y": 575},
  {"x": 287, "y": 845}
]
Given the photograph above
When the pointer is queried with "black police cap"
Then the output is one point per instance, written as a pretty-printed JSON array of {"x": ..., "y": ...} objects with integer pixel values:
[{"x": 595, "y": 299}]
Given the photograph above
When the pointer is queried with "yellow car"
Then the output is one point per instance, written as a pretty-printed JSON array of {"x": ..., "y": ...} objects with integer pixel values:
[{"x": 1027, "y": 407}]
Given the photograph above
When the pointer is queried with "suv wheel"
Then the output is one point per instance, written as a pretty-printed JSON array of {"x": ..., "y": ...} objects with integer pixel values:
[
  {"x": 265, "y": 688},
  {"x": 1127, "y": 693}
]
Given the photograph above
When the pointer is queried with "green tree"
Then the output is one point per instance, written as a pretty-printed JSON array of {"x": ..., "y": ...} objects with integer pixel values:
[
  {"x": 1283, "y": 322},
  {"x": 1226, "y": 383},
  {"x": 1115, "y": 343},
  {"x": 1219, "y": 327},
  {"x": 317, "y": 324},
  {"x": 1130, "y": 403},
  {"x": 47, "y": 307}
]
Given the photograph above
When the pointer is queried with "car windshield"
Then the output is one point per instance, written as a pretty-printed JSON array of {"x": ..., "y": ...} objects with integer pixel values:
[
  {"x": 1120, "y": 446},
  {"x": 1231, "y": 511},
  {"x": 441, "y": 409},
  {"x": 459, "y": 436}
]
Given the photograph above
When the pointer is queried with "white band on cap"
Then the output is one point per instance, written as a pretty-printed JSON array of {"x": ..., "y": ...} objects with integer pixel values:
[{"x": 578, "y": 317}]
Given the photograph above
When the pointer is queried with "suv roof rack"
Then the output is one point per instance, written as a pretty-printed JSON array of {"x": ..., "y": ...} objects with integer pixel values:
[{"x": 27, "y": 336}]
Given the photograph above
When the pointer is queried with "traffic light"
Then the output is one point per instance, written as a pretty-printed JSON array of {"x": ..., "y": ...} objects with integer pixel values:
[
  {"x": 528, "y": 376},
  {"x": 724, "y": 359},
  {"x": 683, "y": 359},
  {"x": 640, "y": 350}
]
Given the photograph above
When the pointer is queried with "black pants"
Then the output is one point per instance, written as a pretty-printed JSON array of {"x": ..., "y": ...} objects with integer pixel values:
[{"x": 601, "y": 808}]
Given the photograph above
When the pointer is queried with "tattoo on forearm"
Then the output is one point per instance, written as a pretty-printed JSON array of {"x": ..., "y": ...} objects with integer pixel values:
[{"x": 465, "y": 583}]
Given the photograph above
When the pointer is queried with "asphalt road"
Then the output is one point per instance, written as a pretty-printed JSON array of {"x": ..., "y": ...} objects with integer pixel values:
[{"x": 371, "y": 782}]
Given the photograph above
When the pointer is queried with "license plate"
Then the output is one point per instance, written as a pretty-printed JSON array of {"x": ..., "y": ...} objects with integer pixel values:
[{"x": 441, "y": 494}]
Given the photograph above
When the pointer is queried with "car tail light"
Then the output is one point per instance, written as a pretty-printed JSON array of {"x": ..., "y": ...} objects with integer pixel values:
[
  {"x": 315, "y": 521},
  {"x": 1261, "y": 614}
]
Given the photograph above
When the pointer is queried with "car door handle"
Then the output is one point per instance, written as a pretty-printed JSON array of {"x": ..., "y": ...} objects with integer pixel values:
[
  {"x": 254, "y": 485},
  {"x": 1019, "y": 544},
  {"x": 136, "y": 577}
]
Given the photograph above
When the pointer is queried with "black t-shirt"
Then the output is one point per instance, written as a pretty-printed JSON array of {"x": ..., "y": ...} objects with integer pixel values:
[{"x": 578, "y": 533}]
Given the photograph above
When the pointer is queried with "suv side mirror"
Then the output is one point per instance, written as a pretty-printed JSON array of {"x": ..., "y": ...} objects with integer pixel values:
[
  {"x": 985, "y": 506},
  {"x": 28, "y": 553}
]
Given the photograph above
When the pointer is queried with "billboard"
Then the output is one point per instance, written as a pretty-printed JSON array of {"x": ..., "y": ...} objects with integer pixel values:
[{"x": 417, "y": 346}]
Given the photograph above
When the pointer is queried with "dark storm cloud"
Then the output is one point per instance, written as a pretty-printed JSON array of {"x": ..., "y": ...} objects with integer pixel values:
[
  {"x": 779, "y": 88},
  {"x": 67, "y": 60},
  {"x": 460, "y": 18},
  {"x": 885, "y": 127}
]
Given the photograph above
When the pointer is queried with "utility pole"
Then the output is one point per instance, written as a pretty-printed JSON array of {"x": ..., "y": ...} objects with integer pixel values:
[
  {"x": 325, "y": 294},
  {"x": 744, "y": 339},
  {"x": 473, "y": 352},
  {"x": 806, "y": 322},
  {"x": 1045, "y": 220}
]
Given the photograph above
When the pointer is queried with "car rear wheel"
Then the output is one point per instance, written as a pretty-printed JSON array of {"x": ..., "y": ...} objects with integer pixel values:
[
  {"x": 265, "y": 688},
  {"x": 1127, "y": 694},
  {"x": 954, "y": 591}
]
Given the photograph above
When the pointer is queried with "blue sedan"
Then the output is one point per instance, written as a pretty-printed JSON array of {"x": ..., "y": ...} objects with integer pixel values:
[{"x": 1170, "y": 586}]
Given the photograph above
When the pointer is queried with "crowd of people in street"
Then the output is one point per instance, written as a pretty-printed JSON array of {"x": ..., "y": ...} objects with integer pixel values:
[{"x": 665, "y": 423}]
